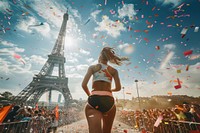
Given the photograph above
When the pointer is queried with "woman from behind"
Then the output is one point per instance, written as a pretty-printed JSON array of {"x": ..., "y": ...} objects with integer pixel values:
[{"x": 100, "y": 109}]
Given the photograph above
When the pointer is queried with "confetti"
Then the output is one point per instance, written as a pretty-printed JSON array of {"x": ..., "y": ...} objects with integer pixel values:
[
  {"x": 136, "y": 30},
  {"x": 125, "y": 131},
  {"x": 187, "y": 68},
  {"x": 122, "y": 2},
  {"x": 194, "y": 57},
  {"x": 157, "y": 47},
  {"x": 87, "y": 21},
  {"x": 105, "y": 2},
  {"x": 196, "y": 29},
  {"x": 146, "y": 39},
  {"x": 147, "y": 22},
  {"x": 188, "y": 52},
  {"x": 179, "y": 71},
  {"x": 16, "y": 56},
  {"x": 169, "y": 93},
  {"x": 179, "y": 84},
  {"x": 112, "y": 11},
  {"x": 153, "y": 8},
  {"x": 184, "y": 31}
]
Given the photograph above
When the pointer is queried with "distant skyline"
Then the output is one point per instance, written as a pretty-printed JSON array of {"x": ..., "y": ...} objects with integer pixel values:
[{"x": 160, "y": 37}]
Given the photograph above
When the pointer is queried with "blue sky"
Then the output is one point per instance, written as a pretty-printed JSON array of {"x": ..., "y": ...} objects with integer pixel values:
[{"x": 135, "y": 29}]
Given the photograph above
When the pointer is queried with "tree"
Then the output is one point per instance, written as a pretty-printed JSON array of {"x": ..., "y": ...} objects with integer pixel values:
[{"x": 7, "y": 94}]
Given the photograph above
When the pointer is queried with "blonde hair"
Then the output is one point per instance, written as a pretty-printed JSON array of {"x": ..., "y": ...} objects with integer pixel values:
[{"x": 108, "y": 54}]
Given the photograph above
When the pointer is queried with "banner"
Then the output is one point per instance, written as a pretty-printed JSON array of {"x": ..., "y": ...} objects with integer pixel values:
[
  {"x": 56, "y": 112},
  {"x": 4, "y": 111}
]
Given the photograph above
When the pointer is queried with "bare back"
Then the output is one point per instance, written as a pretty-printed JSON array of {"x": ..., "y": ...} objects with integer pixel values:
[{"x": 102, "y": 85}]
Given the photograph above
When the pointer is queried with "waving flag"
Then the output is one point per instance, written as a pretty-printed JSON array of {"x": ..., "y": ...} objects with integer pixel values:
[
  {"x": 4, "y": 111},
  {"x": 56, "y": 112}
]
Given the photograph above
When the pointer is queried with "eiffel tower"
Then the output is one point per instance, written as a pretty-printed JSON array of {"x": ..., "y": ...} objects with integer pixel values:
[{"x": 45, "y": 81}]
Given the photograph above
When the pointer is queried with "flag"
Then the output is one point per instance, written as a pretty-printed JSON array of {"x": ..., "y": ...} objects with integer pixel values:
[
  {"x": 56, "y": 112},
  {"x": 4, "y": 111},
  {"x": 158, "y": 121}
]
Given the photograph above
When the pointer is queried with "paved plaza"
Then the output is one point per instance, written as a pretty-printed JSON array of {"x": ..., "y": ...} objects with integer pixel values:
[{"x": 81, "y": 127}]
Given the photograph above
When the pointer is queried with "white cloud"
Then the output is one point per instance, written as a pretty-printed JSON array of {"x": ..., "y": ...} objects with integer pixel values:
[
  {"x": 12, "y": 67},
  {"x": 11, "y": 51},
  {"x": 94, "y": 62},
  {"x": 89, "y": 60},
  {"x": 169, "y": 46},
  {"x": 74, "y": 75},
  {"x": 71, "y": 58},
  {"x": 4, "y": 5},
  {"x": 37, "y": 59},
  {"x": 126, "y": 48},
  {"x": 16, "y": 49},
  {"x": 82, "y": 51},
  {"x": 4, "y": 66},
  {"x": 174, "y": 2},
  {"x": 95, "y": 13},
  {"x": 127, "y": 10},
  {"x": 54, "y": 16},
  {"x": 75, "y": 13},
  {"x": 190, "y": 81},
  {"x": 24, "y": 24},
  {"x": 32, "y": 25},
  {"x": 111, "y": 27},
  {"x": 166, "y": 60},
  {"x": 121, "y": 46},
  {"x": 70, "y": 69},
  {"x": 6, "y": 43},
  {"x": 82, "y": 67},
  {"x": 43, "y": 29}
]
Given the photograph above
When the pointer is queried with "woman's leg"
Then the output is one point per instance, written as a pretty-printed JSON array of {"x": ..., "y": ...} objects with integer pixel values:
[
  {"x": 94, "y": 118},
  {"x": 108, "y": 119}
]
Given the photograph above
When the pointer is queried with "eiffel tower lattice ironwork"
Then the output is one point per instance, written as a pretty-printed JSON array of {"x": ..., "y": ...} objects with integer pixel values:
[{"x": 45, "y": 81}]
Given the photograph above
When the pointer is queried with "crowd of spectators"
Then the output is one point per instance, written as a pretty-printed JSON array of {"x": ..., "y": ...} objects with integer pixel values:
[
  {"x": 41, "y": 119},
  {"x": 146, "y": 118}
]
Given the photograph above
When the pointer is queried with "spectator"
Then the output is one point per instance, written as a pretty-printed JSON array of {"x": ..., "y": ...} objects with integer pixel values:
[
  {"x": 11, "y": 115},
  {"x": 187, "y": 113}
]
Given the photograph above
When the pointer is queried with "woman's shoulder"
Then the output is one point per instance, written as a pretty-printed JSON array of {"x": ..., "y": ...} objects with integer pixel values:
[
  {"x": 95, "y": 67},
  {"x": 112, "y": 69}
]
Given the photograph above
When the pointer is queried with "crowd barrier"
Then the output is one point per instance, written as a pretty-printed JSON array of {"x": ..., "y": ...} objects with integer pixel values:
[
  {"x": 15, "y": 127},
  {"x": 32, "y": 126},
  {"x": 147, "y": 124},
  {"x": 171, "y": 126}
]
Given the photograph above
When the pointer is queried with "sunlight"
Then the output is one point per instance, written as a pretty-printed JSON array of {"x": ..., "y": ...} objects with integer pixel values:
[{"x": 70, "y": 42}]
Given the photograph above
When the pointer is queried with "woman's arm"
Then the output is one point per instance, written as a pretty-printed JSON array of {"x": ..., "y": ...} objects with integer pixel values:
[
  {"x": 117, "y": 82},
  {"x": 86, "y": 79}
]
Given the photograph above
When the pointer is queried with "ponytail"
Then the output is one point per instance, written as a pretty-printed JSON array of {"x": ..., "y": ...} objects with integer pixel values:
[{"x": 109, "y": 54}]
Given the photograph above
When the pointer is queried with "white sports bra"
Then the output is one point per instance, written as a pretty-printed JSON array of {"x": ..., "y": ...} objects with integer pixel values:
[{"x": 102, "y": 74}]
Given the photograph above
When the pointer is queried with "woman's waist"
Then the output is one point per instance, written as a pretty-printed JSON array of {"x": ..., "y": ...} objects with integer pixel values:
[{"x": 102, "y": 92}]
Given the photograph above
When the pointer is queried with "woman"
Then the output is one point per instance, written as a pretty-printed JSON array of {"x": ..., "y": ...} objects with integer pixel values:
[{"x": 100, "y": 106}]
